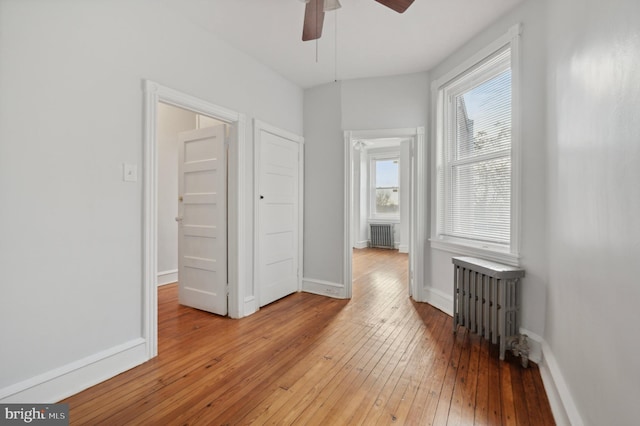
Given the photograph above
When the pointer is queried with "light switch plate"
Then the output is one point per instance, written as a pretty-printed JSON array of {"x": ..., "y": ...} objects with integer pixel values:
[{"x": 129, "y": 172}]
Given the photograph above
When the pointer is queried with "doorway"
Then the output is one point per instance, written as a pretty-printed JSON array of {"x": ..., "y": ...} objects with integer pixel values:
[
  {"x": 192, "y": 186},
  {"x": 154, "y": 94},
  {"x": 357, "y": 214},
  {"x": 172, "y": 121}
]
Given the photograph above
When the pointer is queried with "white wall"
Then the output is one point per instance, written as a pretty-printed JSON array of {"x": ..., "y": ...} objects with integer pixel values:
[
  {"x": 393, "y": 102},
  {"x": 323, "y": 185},
  {"x": 70, "y": 114},
  {"x": 594, "y": 205},
  {"x": 439, "y": 276}
]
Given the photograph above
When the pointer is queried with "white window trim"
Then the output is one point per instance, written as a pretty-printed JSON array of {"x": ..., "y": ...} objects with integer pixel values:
[
  {"x": 373, "y": 156},
  {"x": 511, "y": 254}
]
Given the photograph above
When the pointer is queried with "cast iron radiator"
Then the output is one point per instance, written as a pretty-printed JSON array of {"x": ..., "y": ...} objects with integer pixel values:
[
  {"x": 381, "y": 235},
  {"x": 486, "y": 300}
]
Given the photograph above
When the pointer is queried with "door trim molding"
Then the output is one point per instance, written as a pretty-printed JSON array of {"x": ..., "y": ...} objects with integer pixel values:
[
  {"x": 417, "y": 227},
  {"x": 237, "y": 222},
  {"x": 259, "y": 126}
]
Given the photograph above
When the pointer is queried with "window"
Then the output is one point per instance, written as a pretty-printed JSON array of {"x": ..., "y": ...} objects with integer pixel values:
[
  {"x": 475, "y": 154},
  {"x": 385, "y": 186}
]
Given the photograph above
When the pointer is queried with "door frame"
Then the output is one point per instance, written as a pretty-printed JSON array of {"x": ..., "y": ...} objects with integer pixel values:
[
  {"x": 417, "y": 222},
  {"x": 258, "y": 127},
  {"x": 238, "y": 252}
]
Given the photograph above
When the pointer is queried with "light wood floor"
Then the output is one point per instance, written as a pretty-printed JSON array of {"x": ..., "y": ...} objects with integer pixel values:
[{"x": 306, "y": 359}]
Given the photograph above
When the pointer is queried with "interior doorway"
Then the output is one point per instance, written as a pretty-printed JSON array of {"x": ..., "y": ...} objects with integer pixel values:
[
  {"x": 192, "y": 185},
  {"x": 238, "y": 253},
  {"x": 367, "y": 203},
  {"x": 172, "y": 121},
  {"x": 380, "y": 215}
]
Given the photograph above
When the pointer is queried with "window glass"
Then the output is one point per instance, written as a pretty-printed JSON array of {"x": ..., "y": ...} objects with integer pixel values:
[
  {"x": 386, "y": 186},
  {"x": 474, "y": 184}
]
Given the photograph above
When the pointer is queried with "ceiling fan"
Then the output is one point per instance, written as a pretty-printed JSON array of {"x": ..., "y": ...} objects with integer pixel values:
[{"x": 315, "y": 9}]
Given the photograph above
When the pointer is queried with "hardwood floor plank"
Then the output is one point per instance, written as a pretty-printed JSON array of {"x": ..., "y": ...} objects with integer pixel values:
[
  {"x": 264, "y": 354},
  {"x": 471, "y": 382},
  {"x": 543, "y": 406},
  {"x": 508, "y": 407},
  {"x": 456, "y": 410},
  {"x": 278, "y": 398},
  {"x": 394, "y": 327},
  {"x": 357, "y": 400},
  {"x": 483, "y": 389},
  {"x": 423, "y": 407},
  {"x": 319, "y": 363},
  {"x": 520, "y": 404},
  {"x": 445, "y": 401},
  {"x": 532, "y": 401},
  {"x": 378, "y": 358}
]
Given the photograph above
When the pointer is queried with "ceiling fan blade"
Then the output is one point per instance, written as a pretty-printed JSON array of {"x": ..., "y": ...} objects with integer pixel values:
[
  {"x": 313, "y": 20},
  {"x": 397, "y": 5}
]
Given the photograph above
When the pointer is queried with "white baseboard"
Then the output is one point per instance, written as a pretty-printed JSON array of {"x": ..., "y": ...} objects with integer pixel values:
[
  {"x": 250, "y": 305},
  {"x": 535, "y": 345},
  {"x": 403, "y": 248},
  {"x": 361, "y": 244},
  {"x": 324, "y": 288},
  {"x": 439, "y": 299},
  {"x": 563, "y": 407},
  {"x": 167, "y": 277},
  {"x": 79, "y": 375}
]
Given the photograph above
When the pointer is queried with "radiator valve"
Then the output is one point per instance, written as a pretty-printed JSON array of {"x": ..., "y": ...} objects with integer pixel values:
[{"x": 520, "y": 347}]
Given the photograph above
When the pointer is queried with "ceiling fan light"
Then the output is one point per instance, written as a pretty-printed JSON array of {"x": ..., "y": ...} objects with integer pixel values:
[{"x": 331, "y": 5}]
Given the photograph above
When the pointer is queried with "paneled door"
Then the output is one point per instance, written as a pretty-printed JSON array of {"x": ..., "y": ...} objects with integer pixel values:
[
  {"x": 202, "y": 219},
  {"x": 278, "y": 261}
]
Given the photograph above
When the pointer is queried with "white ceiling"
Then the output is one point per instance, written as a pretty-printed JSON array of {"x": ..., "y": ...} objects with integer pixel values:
[{"x": 372, "y": 40}]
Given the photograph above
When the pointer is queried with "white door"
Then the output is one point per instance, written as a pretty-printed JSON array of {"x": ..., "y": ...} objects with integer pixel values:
[
  {"x": 278, "y": 217},
  {"x": 202, "y": 220}
]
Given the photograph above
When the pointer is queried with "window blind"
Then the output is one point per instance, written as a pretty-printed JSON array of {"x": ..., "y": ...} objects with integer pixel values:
[{"x": 478, "y": 147}]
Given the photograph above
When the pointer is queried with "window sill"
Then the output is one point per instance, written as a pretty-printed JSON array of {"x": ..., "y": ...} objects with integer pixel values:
[
  {"x": 383, "y": 219},
  {"x": 469, "y": 249}
]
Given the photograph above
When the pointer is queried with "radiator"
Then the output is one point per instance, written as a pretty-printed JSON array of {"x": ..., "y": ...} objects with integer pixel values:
[
  {"x": 486, "y": 300},
  {"x": 381, "y": 235}
]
